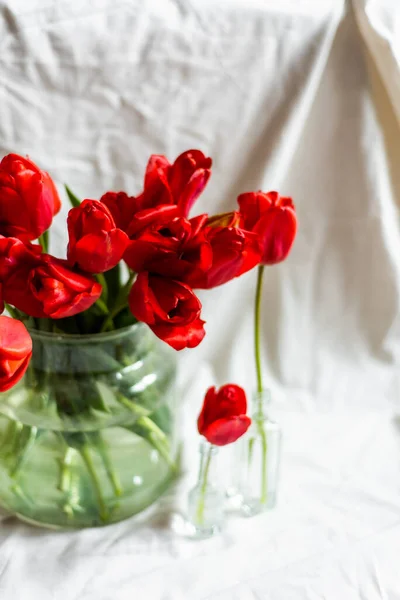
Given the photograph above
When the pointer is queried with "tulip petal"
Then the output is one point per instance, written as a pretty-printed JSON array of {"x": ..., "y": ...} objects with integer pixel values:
[
  {"x": 227, "y": 431},
  {"x": 277, "y": 230},
  {"x": 15, "y": 341},
  {"x": 15, "y": 351},
  {"x": 28, "y": 198},
  {"x": 100, "y": 252},
  {"x": 180, "y": 337},
  {"x": 205, "y": 415}
]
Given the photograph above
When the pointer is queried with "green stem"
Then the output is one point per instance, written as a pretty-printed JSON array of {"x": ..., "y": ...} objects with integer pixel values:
[
  {"x": 65, "y": 470},
  {"x": 84, "y": 451},
  {"x": 102, "y": 306},
  {"x": 140, "y": 411},
  {"x": 264, "y": 465},
  {"x": 25, "y": 442},
  {"x": 163, "y": 450},
  {"x": 257, "y": 332},
  {"x": 44, "y": 241},
  {"x": 121, "y": 302},
  {"x": 9, "y": 436},
  {"x": 158, "y": 440},
  {"x": 260, "y": 387},
  {"x": 154, "y": 435},
  {"x": 112, "y": 475},
  {"x": 204, "y": 480},
  {"x": 102, "y": 280}
]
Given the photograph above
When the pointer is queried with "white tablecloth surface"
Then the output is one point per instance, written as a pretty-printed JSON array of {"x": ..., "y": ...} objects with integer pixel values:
[{"x": 278, "y": 95}]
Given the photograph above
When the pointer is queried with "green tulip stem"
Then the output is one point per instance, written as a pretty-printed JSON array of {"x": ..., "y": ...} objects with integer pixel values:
[
  {"x": 111, "y": 474},
  {"x": 154, "y": 435},
  {"x": 24, "y": 443},
  {"x": 87, "y": 458},
  {"x": 121, "y": 302},
  {"x": 203, "y": 480},
  {"x": 44, "y": 241},
  {"x": 102, "y": 306},
  {"x": 65, "y": 470},
  {"x": 13, "y": 428},
  {"x": 103, "y": 282},
  {"x": 257, "y": 328},
  {"x": 260, "y": 387}
]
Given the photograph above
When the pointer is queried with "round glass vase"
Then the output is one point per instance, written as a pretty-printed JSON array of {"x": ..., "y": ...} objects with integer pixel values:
[{"x": 87, "y": 437}]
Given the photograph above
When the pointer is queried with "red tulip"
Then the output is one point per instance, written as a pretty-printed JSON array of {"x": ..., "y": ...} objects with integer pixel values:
[
  {"x": 273, "y": 218},
  {"x": 223, "y": 418},
  {"x": 14, "y": 254},
  {"x": 180, "y": 183},
  {"x": 95, "y": 243},
  {"x": 122, "y": 207},
  {"x": 150, "y": 218},
  {"x": 50, "y": 288},
  {"x": 15, "y": 351},
  {"x": 170, "y": 308},
  {"x": 28, "y": 198},
  {"x": 175, "y": 248},
  {"x": 234, "y": 252}
]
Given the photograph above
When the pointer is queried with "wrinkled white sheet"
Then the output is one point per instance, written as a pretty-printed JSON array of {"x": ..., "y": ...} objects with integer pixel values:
[
  {"x": 277, "y": 93},
  {"x": 379, "y": 22}
]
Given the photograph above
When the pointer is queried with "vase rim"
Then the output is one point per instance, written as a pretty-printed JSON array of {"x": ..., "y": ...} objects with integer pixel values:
[{"x": 76, "y": 338}]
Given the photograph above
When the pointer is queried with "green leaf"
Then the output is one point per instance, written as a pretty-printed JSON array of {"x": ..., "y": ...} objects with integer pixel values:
[
  {"x": 101, "y": 306},
  {"x": 11, "y": 311},
  {"x": 102, "y": 280},
  {"x": 113, "y": 279},
  {"x": 72, "y": 198},
  {"x": 124, "y": 319}
]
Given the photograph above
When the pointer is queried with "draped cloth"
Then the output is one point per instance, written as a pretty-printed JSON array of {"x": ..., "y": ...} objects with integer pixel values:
[{"x": 302, "y": 96}]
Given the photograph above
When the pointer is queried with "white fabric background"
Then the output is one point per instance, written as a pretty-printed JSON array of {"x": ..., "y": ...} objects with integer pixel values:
[{"x": 278, "y": 95}]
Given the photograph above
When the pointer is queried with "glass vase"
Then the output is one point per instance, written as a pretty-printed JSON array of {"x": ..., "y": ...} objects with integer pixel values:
[
  {"x": 88, "y": 436},
  {"x": 206, "y": 499},
  {"x": 259, "y": 457}
]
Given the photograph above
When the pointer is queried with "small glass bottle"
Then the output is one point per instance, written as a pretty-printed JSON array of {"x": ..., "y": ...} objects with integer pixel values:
[
  {"x": 259, "y": 458},
  {"x": 206, "y": 499}
]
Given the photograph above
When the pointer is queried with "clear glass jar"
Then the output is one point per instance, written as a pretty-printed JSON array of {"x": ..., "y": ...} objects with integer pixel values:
[
  {"x": 87, "y": 437},
  {"x": 206, "y": 499},
  {"x": 259, "y": 457}
]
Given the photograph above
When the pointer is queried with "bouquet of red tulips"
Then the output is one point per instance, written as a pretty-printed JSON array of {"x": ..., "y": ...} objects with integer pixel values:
[{"x": 128, "y": 259}]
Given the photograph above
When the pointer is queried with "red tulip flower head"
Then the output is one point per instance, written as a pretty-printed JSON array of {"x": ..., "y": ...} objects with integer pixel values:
[
  {"x": 273, "y": 218},
  {"x": 170, "y": 308},
  {"x": 15, "y": 351},
  {"x": 173, "y": 247},
  {"x": 223, "y": 418},
  {"x": 168, "y": 185},
  {"x": 234, "y": 251},
  {"x": 95, "y": 243},
  {"x": 179, "y": 183},
  {"x": 46, "y": 286},
  {"x": 28, "y": 198}
]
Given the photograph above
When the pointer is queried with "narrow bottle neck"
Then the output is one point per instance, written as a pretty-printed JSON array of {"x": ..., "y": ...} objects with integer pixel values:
[
  {"x": 261, "y": 403},
  {"x": 207, "y": 470}
]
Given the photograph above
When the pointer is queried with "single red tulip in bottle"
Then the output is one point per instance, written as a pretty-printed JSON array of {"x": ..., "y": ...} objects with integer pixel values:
[
  {"x": 222, "y": 421},
  {"x": 273, "y": 218}
]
